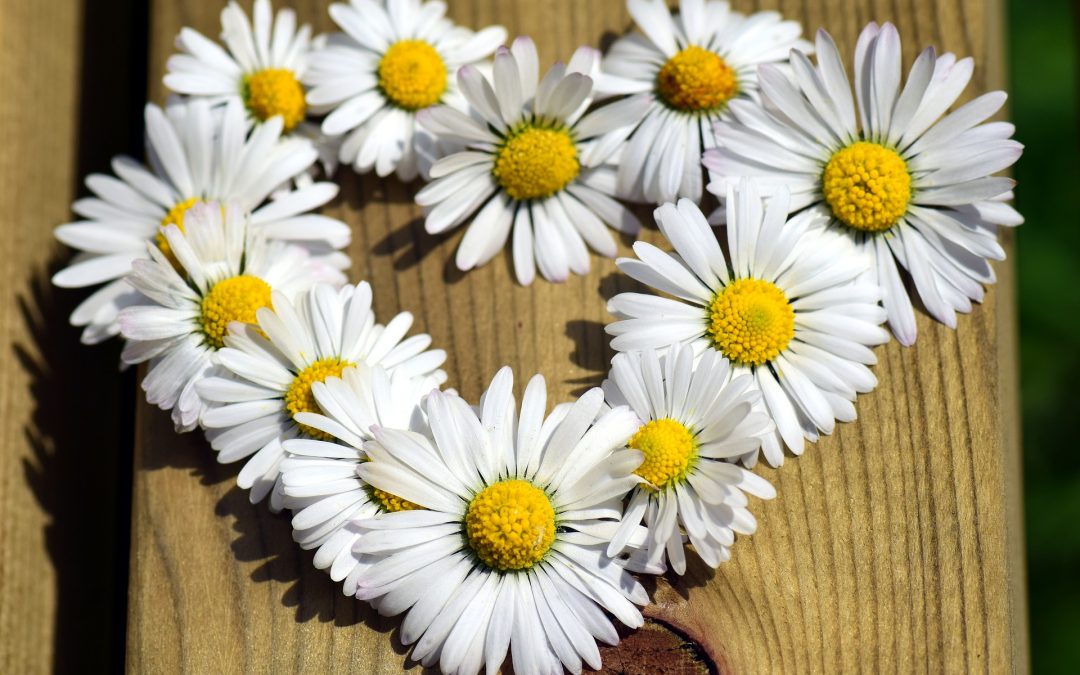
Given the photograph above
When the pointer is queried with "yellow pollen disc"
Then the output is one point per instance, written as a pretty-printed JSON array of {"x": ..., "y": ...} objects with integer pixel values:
[
  {"x": 510, "y": 525},
  {"x": 175, "y": 216},
  {"x": 534, "y": 163},
  {"x": 751, "y": 322},
  {"x": 669, "y": 450},
  {"x": 412, "y": 74},
  {"x": 393, "y": 503},
  {"x": 696, "y": 80},
  {"x": 233, "y": 299},
  {"x": 275, "y": 91},
  {"x": 298, "y": 397},
  {"x": 867, "y": 186}
]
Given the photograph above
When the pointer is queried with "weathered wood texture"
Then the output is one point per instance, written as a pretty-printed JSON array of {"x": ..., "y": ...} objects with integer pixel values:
[
  {"x": 26, "y": 577},
  {"x": 892, "y": 546},
  {"x": 64, "y": 476}
]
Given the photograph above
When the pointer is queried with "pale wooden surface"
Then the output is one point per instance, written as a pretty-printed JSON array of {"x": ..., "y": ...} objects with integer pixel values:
[
  {"x": 61, "y": 482},
  {"x": 27, "y": 579},
  {"x": 893, "y": 546}
]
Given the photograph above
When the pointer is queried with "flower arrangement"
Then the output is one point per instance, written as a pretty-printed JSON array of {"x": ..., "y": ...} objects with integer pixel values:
[{"x": 500, "y": 527}]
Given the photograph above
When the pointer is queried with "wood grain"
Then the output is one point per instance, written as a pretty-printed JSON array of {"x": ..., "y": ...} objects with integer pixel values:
[
  {"x": 64, "y": 470},
  {"x": 893, "y": 546},
  {"x": 26, "y": 577}
]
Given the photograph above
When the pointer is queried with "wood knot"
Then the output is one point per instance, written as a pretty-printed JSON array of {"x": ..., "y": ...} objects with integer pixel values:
[{"x": 656, "y": 649}]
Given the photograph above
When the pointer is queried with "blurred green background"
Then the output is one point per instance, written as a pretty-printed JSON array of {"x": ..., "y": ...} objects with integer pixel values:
[{"x": 1043, "y": 81}]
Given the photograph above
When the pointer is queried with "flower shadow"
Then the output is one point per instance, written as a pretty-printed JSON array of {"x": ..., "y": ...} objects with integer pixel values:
[
  {"x": 265, "y": 538},
  {"x": 410, "y": 244},
  {"x": 76, "y": 443},
  {"x": 76, "y": 462},
  {"x": 591, "y": 353}
]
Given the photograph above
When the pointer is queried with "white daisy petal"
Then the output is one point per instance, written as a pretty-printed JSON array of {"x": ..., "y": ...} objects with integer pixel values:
[
  {"x": 551, "y": 187},
  {"x": 825, "y": 302},
  {"x": 310, "y": 346},
  {"x": 463, "y": 610},
  {"x": 928, "y": 166},
  {"x": 447, "y": 121},
  {"x": 183, "y": 143},
  {"x": 699, "y": 63},
  {"x": 653, "y": 18}
]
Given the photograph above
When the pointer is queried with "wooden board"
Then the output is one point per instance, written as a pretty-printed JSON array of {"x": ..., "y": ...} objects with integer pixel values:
[
  {"x": 26, "y": 576},
  {"x": 893, "y": 545},
  {"x": 64, "y": 461}
]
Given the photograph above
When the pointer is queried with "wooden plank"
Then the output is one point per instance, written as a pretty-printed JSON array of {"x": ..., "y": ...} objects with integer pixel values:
[
  {"x": 27, "y": 579},
  {"x": 64, "y": 466},
  {"x": 893, "y": 545}
]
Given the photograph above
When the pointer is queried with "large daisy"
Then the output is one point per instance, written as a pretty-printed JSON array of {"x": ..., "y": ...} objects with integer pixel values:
[
  {"x": 535, "y": 165},
  {"x": 789, "y": 305},
  {"x": 269, "y": 368},
  {"x": 319, "y": 478},
  {"x": 394, "y": 60},
  {"x": 261, "y": 67},
  {"x": 193, "y": 156},
  {"x": 508, "y": 550},
  {"x": 693, "y": 419},
  {"x": 216, "y": 273},
  {"x": 696, "y": 62},
  {"x": 908, "y": 183}
]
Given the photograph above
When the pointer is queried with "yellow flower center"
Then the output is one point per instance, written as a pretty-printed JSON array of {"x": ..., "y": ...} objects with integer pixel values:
[
  {"x": 867, "y": 186},
  {"x": 412, "y": 74},
  {"x": 535, "y": 162},
  {"x": 510, "y": 525},
  {"x": 233, "y": 299},
  {"x": 696, "y": 80},
  {"x": 669, "y": 450},
  {"x": 275, "y": 91},
  {"x": 175, "y": 216},
  {"x": 393, "y": 503},
  {"x": 299, "y": 398},
  {"x": 751, "y": 322}
]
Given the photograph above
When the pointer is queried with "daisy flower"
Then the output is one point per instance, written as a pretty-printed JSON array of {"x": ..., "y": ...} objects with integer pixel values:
[
  {"x": 192, "y": 156},
  {"x": 535, "y": 164},
  {"x": 261, "y": 66},
  {"x": 508, "y": 550},
  {"x": 906, "y": 182},
  {"x": 269, "y": 368},
  {"x": 215, "y": 274},
  {"x": 789, "y": 306},
  {"x": 692, "y": 419},
  {"x": 319, "y": 478},
  {"x": 697, "y": 63},
  {"x": 394, "y": 60}
]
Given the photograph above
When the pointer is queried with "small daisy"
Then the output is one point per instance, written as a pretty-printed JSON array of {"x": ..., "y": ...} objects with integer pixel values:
[
  {"x": 535, "y": 165},
  {"x": 696, "y": 63},
  {"x": 509, "y": 549},
  {"x": 692, "y": 419},
  {"x": 394, "y": 60},
  {"x": 906, "y": 182},
  {"x": 261, "y": 67},
  {"x": 193, "y": 156},
  {"x": 270, "y": 366},
  {"x": 789, "y": 306},
  {"x": 319, "y": 478},
  {"x": 215, "y": 274}
]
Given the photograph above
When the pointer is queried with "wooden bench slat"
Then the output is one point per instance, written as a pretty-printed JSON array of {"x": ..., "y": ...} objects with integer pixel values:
[
  {"x": 893, "y": 545},
  {"x": 67, "y": 107}
]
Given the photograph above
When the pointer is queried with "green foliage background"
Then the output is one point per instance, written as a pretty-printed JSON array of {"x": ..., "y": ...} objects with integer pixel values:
[{"x": 1043, "y": 83}]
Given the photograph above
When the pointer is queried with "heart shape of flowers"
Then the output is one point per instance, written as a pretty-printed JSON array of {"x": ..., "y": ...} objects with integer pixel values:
[{"x": 496, "y": 527}]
